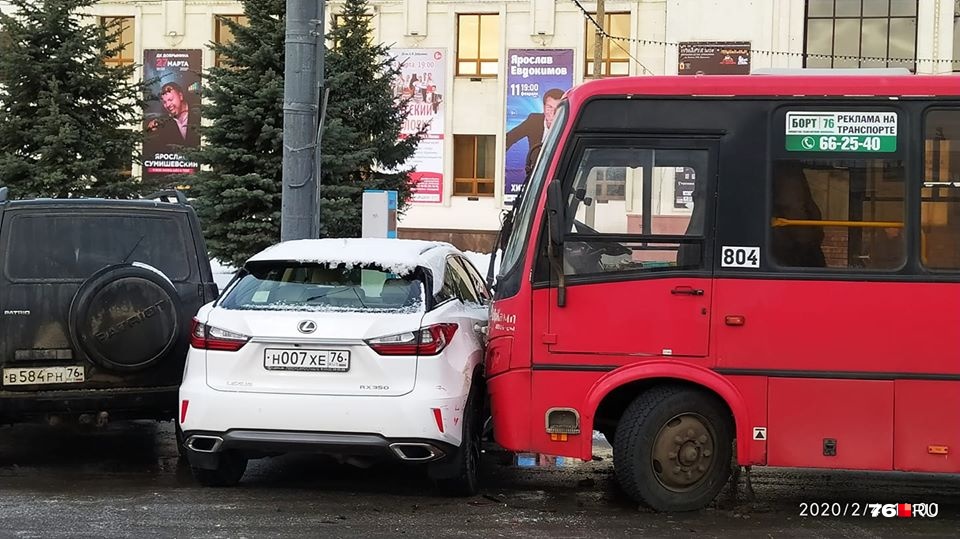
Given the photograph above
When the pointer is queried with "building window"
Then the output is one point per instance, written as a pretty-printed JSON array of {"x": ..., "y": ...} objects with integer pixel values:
[
  {"x": 222, "y": 34},
  {"x": 120, "y": 30},
  {"x": 861, "y": 33},
  {"x": 478, "y": 45},
  {"x": 474, "y": 161},
  {"x": 616, "y": 58},
  {"x": 338, "y": 21}
]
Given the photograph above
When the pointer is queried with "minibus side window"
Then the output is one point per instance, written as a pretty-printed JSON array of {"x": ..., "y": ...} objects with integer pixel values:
[
  {"x": 636, "y": 209},
  {"x": 838, "y": 213},
  {"x": 940, "y": 194}
]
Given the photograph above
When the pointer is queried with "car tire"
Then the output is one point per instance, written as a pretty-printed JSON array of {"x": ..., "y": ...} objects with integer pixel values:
[
  {"x": 230, "y": 468},
  {"x": 673, "y": 448},
  {"x": 459, "y": 475}
]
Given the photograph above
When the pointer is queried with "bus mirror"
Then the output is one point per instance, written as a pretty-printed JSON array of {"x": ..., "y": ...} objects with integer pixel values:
[
  {"x": 555, "y": 212},
  {"x": 555, "y": 227}
]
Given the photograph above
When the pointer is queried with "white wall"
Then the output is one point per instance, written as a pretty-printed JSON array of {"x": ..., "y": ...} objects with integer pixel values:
[{"x": 477, "y": 107}]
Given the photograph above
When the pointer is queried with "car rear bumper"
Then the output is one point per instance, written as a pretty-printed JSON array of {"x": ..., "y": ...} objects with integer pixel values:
[
  {"x": 126, "y": 403},
  {"x": 432, "y": 414},
  {"x": 204, "y": 448}
]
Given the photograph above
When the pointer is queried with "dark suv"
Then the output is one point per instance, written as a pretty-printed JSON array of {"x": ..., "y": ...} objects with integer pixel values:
[{"x": 96, "y": 299}]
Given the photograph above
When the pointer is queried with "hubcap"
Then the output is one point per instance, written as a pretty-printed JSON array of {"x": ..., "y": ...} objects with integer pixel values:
[{"x": 683, "y": 452}]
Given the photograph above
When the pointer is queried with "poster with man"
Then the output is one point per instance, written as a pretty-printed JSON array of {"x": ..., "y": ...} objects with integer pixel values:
[
  {"x": 172, "y": 117},
  {"x": 536, "y": 82},
  {"x": 421, "y": 82}
]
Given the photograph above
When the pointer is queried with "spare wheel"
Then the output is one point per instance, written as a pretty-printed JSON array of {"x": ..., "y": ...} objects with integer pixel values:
[{"x": 126, "y": 317}]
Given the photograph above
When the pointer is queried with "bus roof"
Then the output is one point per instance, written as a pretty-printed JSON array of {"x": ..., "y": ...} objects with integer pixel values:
[{"x": 772, "y": 85}]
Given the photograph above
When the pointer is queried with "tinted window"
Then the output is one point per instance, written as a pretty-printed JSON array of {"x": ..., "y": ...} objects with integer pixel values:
[
  {"x": 940, "y": 195},
  {"x": 74, "y": 246},
  {"x": 479, "y": 287},
  {"x": 456, "y": 283},
  {"x": 838, "y": 213},
  {"x": 321, "y": 287}
]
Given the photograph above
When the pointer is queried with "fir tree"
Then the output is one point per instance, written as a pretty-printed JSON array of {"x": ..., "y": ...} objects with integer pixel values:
[
  {"x": 68, "y": 119},
  {"x": 238, "y": 191},
  {"x": 361, "y": 136}
]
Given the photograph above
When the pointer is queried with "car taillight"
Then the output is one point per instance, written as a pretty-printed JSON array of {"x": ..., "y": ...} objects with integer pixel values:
[
  {"x": 428, "y": 341},
  {"x": 207, "y": 337}
]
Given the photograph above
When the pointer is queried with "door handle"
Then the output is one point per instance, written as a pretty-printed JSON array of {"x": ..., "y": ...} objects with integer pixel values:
[{"x": 686, "y": 291}]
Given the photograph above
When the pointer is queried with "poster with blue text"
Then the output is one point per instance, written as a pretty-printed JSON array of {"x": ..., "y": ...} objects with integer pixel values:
[{"x": 536, "y": 81}]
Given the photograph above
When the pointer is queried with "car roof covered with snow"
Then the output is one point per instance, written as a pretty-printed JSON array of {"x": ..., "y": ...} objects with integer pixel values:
[{"x": 395, "y": 255}]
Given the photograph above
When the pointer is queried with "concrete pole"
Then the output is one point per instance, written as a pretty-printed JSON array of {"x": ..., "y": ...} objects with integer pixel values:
[
  {"x": 298, "y": 209},
  {"x": 598, "y": 41}
]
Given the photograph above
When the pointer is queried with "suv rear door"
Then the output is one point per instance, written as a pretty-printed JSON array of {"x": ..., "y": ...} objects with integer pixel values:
[{"x": 54, "y": 315}]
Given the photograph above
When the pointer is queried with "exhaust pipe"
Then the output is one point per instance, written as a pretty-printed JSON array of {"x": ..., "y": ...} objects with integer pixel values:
[
  {"x": 416, "y": 452},
  {"x": 202, "y": 443}
]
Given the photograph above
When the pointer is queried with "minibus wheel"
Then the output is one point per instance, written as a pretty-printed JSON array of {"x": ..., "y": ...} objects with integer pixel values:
[{"x": 673, "y": 448}]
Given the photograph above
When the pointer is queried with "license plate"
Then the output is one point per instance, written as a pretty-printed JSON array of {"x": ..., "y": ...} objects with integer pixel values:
[
  {"x": 42, "y": 375},
  {"x": 289, "y": 359}
]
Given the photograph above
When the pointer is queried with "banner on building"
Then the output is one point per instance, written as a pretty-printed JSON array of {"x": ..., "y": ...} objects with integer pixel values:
[
  {"x": 714, "y": 58},
  {"x": 421, "y": 82},
  {"x": 172, "y": 117},
  {"x": 536, "y": 81}
]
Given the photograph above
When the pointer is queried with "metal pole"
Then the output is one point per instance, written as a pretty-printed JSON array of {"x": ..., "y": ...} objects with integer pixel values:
[
  {"x": 298, "y": 209},
  {"x": 321, "y": 100}
]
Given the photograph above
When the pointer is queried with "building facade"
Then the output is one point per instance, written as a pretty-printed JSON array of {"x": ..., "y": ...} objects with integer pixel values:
[{"x": 488, "y": 63}]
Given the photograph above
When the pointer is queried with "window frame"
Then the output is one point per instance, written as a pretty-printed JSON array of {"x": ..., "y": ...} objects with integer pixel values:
[
  {"x": 924, "y": 114},
  {"x": 606, "y": 60},
  {"x": 120, "y": 60},
  {"x": 219, "y": 26},
  {"x": 860, "y": 18},
  {"x": 656, "y": 142},
  {"x": 904, "y": 153},
  {"x": 479, "y": 61},
  {"x": 475, "y": 181},
  {"x": 371, "y": 34}
]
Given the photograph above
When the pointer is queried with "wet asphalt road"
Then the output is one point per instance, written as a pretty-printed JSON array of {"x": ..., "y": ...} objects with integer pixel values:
[{"x": 125, "y": 480}]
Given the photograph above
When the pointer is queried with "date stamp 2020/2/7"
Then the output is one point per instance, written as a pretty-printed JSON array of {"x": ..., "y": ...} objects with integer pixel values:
[{"x": 869, "y": 510}]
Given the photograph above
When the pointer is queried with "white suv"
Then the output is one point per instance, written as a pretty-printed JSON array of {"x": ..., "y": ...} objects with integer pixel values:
[{"x": 352, "y": 347}]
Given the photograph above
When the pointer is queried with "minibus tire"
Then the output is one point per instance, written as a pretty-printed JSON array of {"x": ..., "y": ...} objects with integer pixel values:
[
  {"x": 652, "y": 425},
  {"x": 230, "y": 468}
]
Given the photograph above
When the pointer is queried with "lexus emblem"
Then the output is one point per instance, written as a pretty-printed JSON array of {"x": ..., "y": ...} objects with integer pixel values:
[{"x": 307, "y": 326}]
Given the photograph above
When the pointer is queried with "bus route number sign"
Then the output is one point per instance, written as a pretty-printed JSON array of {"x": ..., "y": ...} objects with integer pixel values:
[{"x": 863, "y": 131}]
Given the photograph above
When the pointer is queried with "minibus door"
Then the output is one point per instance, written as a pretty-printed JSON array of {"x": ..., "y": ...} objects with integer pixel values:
[{"x": 637, "y": 251}]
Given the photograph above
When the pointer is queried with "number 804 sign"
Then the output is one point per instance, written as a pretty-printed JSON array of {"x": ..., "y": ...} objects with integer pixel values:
[{"x": 739, "y": 257}]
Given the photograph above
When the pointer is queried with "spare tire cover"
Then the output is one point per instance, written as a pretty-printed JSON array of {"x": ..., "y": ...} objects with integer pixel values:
[{"x": 126, "y": 317}]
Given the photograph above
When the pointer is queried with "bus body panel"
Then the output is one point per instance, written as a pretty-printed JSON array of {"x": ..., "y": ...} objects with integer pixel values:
[
  {"x": 926, "y": 419},
  {"x": 834, "y": 329},
  {"x": 817, "y": 423}
]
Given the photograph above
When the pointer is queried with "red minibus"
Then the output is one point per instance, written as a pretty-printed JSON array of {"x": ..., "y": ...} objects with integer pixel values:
[{"x": 760, "y": 268}]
